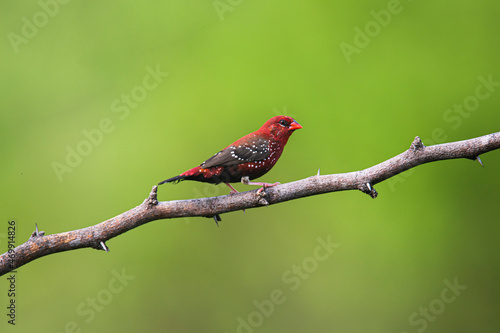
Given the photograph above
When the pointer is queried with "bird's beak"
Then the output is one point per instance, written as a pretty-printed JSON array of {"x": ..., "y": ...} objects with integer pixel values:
[{"x": 295, "y": 126}]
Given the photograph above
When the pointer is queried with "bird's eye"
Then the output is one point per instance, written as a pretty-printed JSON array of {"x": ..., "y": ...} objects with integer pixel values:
[{"x": 283, "y": 122}]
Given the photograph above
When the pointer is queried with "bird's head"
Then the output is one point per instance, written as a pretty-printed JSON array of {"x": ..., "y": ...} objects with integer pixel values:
[{"x": 280, "y": 127}]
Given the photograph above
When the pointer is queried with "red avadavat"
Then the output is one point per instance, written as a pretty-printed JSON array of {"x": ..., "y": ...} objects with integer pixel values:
[{"x": 248, "y": 158}]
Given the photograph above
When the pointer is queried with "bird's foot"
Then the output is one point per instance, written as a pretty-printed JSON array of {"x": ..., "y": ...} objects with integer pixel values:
[
  {"x": 264, "y": 185},
  {"x": 246, "y": 181}
]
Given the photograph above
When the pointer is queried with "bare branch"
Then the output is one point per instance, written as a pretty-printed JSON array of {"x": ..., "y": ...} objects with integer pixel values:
[{"x": 40, "y": 245}]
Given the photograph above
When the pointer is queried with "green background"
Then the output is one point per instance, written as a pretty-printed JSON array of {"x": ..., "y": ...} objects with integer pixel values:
[{"x": 228, "y": 72}]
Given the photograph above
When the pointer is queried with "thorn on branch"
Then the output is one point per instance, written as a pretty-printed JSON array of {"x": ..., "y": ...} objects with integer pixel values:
[
  {"x": 217, "y": 219},
  {"x": 416, "y": 144},
  {"x": 368, "y": 189},
  {"x": 479, "y": 160},
  {"x": 37, "y": 233},
  {"x": 318, "y": 174},
  {"x": 104, "y": 247},
  {"x": 152, "y": 200}
]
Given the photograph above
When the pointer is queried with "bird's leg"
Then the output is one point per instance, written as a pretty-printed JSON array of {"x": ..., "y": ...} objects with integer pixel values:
[
  {"x": 233, "y": 190},
  {"x": 246, "y": 181}
]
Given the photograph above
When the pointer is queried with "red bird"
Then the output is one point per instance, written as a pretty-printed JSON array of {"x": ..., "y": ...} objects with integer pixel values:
[{"x": 248, "y": 158}]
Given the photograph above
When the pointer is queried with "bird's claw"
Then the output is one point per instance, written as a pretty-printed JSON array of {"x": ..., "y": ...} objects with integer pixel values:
[
  {"x": 262, "y": 194},
  {"x": 264, "y": 185}
]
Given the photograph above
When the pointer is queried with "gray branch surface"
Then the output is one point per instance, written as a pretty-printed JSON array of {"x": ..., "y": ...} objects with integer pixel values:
[{"x": 95, "y": 236}]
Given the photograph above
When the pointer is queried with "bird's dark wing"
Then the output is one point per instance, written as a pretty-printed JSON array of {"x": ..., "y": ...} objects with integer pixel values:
[{"x": 240, "y": 152}]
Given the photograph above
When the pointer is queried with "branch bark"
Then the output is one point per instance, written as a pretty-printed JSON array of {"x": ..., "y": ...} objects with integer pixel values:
[{"x": 95, "y": 236}]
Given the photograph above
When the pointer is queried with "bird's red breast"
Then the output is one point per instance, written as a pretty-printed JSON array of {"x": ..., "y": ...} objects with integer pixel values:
[{"x": 251, "y": 156}]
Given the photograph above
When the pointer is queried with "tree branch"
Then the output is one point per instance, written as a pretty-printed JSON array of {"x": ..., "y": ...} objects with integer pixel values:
[{"x": 40, "y": 245}]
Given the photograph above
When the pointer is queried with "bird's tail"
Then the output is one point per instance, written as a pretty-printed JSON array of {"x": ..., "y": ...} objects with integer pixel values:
[
  {"x": 191, "y": 174},
  {"x": 175, "y": 179}
]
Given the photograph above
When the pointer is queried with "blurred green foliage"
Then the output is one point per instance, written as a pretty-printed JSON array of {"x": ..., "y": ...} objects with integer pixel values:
[{"x": 409, "y": 65}]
